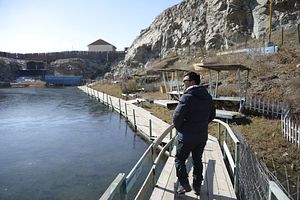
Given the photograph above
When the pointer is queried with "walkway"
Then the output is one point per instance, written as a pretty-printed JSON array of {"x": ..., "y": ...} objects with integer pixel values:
[{"x": 217, "y": 184}]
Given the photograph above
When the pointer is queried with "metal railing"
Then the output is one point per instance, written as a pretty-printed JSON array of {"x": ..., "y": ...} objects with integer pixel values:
[
  {"x": 123, "y": 184},
  {"x": 233, "y": 162}
]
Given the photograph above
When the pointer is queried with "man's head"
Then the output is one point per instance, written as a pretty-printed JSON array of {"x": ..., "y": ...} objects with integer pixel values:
[{"x": 191, "y": 78}]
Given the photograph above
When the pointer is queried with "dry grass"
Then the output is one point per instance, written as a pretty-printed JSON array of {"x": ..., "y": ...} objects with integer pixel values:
[
  {"x": 264, "y": 136},
  {"x": 110, "y": 89}
]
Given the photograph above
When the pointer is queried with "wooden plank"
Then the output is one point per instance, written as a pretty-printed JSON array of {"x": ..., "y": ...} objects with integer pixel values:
[
  {"x": 167, "y": 103},
  {"x": 216, "y": 184}
]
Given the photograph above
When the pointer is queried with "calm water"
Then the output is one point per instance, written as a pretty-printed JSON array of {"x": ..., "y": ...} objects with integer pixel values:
[{"x": 61, "y": 144}]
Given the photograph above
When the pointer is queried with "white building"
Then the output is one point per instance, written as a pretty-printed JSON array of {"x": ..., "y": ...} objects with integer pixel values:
[{"x": 101, "y": 45}]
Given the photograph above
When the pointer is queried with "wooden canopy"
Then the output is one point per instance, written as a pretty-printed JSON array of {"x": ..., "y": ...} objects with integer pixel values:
[{"x": 221, "y": 67}]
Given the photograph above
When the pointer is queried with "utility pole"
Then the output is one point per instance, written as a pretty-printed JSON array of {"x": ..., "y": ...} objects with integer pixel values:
[{"x": 270, "y": 20}]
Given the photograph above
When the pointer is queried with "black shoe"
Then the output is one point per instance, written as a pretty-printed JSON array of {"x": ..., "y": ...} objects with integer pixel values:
[
  {"x": 196, "y": 188},
  {"x": 184, "y": 188}
]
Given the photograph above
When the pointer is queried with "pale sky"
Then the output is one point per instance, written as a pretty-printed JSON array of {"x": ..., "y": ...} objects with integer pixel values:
[{"x": 35, "y": 26}]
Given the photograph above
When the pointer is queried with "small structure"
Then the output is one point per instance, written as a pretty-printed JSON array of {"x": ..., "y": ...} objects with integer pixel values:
[
  {"x": 172, "y": 82},
  {"x": 63, "y": 80},
  {"x": 34, "y": 69},
  {"x": 241, "y": 87},
  {"x": 101, "y": 46}
]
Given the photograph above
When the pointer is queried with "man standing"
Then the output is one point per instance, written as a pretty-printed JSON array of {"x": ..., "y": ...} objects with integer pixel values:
[{"x": 191, "y": 117}]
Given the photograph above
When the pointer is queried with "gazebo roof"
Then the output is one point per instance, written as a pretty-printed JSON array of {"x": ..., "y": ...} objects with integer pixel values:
[{"x": 220, "y": 67}]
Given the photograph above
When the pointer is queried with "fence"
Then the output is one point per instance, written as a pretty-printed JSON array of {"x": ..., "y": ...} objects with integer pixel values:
[
  {"x": 290, "y": 130},
  {"x": 271, "y": 108},
  {"x": 266, "y": 106},
  {"x": 256, "y": 181}
]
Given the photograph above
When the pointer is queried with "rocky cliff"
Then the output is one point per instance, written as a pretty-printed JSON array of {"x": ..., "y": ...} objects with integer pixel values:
[
  {"x": 88, "y": 68},
  {"x": 206, "y": 24}
]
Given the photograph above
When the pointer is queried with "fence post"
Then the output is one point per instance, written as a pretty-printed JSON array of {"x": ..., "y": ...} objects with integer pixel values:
[
  {"x": 236, "y": 171},
  {"x": 219, "y": 130},
  {"x": 107, "y": 100},
  {"x": 126, "y": 111},
  {"x": 120, "y": 109},
  {"x": 134, "y": 122},
  {"x": 299, "y": 33},
  {"x": 273, "y": 105},
  {"x": 112, "y": 106},
  {"x": 150, "y": 128}
]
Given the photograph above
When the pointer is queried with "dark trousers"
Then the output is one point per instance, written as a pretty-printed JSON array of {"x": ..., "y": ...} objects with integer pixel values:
[{"x": 182, "y": 153}]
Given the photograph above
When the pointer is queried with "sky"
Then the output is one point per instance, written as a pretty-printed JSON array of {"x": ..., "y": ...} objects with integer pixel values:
[{"x": 38, "y": 26}]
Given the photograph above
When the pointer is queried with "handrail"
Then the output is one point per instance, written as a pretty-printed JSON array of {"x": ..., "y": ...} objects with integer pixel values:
[
  {"x": 131, "y": 178},
  {"x": 151, "y": 174},
  {"x": 234, "y": 163}
]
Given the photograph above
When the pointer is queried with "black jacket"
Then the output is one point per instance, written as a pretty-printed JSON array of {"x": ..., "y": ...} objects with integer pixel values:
[{"x": 192, "y": 115}]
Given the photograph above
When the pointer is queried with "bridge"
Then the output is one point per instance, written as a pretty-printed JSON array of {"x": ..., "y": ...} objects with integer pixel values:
[{"x": 221, "y": 159}]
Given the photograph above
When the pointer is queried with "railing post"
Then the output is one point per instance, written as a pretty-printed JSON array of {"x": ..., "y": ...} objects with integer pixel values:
[
  {"x": 219, "y": 131},
  {"x": 126, "y": 111},
  {"x": 236, "y": 171},
  {"x": 120, "y": 107},
  {"x": 225, "y": 140},
  {"x": 150, "y": 128},
  {"x": 123, "y": 193},
  {"x": 107, "y": 103},
  {"x": 112, "y": 106},
  {"x": 134, "y": 121}
]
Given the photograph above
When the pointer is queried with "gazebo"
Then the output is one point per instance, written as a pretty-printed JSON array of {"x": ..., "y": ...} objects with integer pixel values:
[{"x": 213, "y": 85}]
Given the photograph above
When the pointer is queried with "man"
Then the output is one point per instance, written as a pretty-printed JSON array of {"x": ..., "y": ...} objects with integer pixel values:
[{"x": 191, "y": 117}]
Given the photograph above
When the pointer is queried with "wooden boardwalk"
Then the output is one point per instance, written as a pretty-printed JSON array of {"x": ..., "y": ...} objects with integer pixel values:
[
  {"x": 149, "y": 126},
  {"x": 216, "y": 184}
]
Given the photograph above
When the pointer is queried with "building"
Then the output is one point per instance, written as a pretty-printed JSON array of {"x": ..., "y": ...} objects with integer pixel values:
[{"x": 101, "y": 45}]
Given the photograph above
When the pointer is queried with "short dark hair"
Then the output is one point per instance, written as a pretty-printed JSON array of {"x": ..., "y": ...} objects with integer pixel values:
[{"x": 193, "y": 76}]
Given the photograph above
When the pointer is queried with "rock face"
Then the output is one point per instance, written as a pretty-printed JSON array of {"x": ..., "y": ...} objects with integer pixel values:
[
  {"x": 9, "y": 69},
  {"x": 78, "y": 67},
  {"x": 88, "y": 68},
  {"x": 206, "y": 24}
]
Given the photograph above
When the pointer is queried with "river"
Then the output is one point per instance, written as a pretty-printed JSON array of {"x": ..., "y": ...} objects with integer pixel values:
[{"x": 57, "y": 143}]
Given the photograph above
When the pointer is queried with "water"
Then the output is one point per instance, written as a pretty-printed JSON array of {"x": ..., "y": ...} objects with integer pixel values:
[{"x": 61, "y": 144}]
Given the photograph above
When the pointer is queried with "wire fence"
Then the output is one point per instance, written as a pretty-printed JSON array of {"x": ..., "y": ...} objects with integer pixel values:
[{"x": 255, "y": 176}]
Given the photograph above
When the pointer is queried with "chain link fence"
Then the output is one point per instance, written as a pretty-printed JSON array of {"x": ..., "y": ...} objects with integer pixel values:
[{"x": 255, "y": 175}]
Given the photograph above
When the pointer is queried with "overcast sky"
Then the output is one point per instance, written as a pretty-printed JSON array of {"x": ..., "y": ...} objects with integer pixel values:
[{"x": 29, "y": 26}]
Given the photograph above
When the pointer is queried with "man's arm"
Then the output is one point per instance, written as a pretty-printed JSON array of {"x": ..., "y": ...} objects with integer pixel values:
[
  {"x": 180, "y": 112},
  {"x": 212, "y": 113}
]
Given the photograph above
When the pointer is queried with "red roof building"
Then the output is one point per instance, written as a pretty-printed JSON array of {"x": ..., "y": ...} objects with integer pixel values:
[{"x": 101, "y": 45}]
